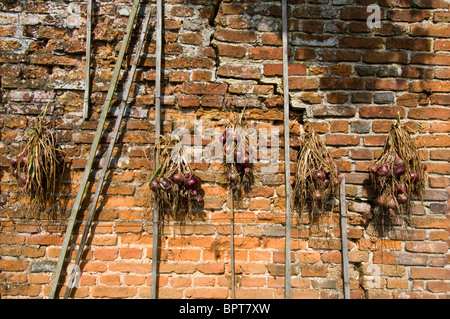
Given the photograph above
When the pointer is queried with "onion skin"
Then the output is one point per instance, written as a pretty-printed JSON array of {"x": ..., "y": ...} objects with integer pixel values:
[
  {"x": 154, "y": 184},
  {"x": 13, "y": 161},
  {"x": 401, "y": 188},
  {"x": 191, "y": 182},
  {"x": 402, "y": 198},
  {"x": 414, "y": 177},
  {"x": 319, "y": 175},
  {"x": 178, "y": 178},
  {"x": 383, "y": 170},
  {"x": 245, "y": 160},
  {"x": 232, "y": 177},
  {"x": 317, "y": 196},
  {"x": 399, "y": 170},
  {"x": 165, "y": 183},
  {"x": 390, "y": 203},
  {"x": 399, "y": 162}
]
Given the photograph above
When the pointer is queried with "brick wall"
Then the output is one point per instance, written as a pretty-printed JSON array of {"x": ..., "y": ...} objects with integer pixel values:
[{"x": 351, "y": 81}]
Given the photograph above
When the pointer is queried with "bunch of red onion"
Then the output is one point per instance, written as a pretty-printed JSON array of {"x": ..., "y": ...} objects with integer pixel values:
[
  {"x": 186, "y": 185},
  {"x": 395, "y": 184},
  {"x": 323, "y": 180},
  {"x": 237, "y": 158}
]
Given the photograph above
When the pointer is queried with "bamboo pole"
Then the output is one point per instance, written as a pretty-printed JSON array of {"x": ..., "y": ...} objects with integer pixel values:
[
  {"x": 344, "y": 243},
  {"x": 158, "y": 53},
  {"x": 87, "y": 74},
  {"x": 94, "y": 146},
  {"x": 233, "y": 288},
  {"x": 287, "y": 152},
  {"x": 115, "y": 134}
]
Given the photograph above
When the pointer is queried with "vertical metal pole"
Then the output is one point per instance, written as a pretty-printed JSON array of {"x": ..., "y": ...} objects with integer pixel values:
[
  {"x": 287, "y": 156},
  {"x": 345, "y": 266},
  {"x": 87, "y": 75},
  {"x": 233, "y": 288},
  {"x": 159, "y": 18}
]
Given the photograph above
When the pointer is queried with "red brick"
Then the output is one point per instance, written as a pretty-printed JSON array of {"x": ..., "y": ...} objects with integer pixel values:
[
  {"x": 408, "y": 44},
  {"x": 244, "y": 72},
  {"x": 236, "y": 36},
  {"x": 408, "y": 15},
  {"x": 385, "y": 57},
  {"x": 204, "y": 88},
  {"x": 276, "y": 69},
  {"x": 386, "y": 84},
  {"x": 265, "y": 53},
  {"x": 231, "y": 50},
  {"x": 430, "y": 58},
  {"x": 341, "y": 83},
  {"x": 439, "y": 31},
  {"x": 342, "y": 140},
  {"x": 303, "y": 83},
  {"x": 380, "y": 112},
  {"x": 428, "y": 113}
]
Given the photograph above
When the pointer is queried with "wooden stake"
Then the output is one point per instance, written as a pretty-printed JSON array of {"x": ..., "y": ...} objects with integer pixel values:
[
  {"x": 95, "y": 143},
  {"x": 87, "y": 74},
  {"x": 287, "y": 155},
  {"x": 159, "y": 17},
  {"x": 233, "y": 288},
  {"x": 344, "y": 244}
]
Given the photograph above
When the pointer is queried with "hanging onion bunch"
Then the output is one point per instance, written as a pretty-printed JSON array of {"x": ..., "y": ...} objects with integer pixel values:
[
  {"x": 39, "y": 165},
  {"x": 173, "y": 183},
  {"x": 238, "y": 154},
  {"x": 398, "y": 174},
  {"x": 317, "y": 177}
]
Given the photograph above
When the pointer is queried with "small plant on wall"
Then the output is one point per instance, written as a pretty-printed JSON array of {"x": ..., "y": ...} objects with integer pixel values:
[
  {"x": 317, "y": 177},
  {"x": 174, "y": 184},
  {"x": 398, "y": 174},
  {"x": 39, "y": 165},
  {"x": 238, "y": 155}
]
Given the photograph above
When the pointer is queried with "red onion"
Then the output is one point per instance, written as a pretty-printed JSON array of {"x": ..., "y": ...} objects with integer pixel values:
[
  {"x": 232, "y": 177},
  {"x": 165, "y": 183},
  {"x": 326, "y": 182},
  {"x": 399, "y": 162},
  {"x": 414, "y": 177},
  {"x": 192, "y": 182},
  {"x": 154, "y": 184},
  {"x": 13, "y": 161},
  {"x": 178, "y": 178},
  {"x": 390, "y": 203},
  {"x": 381, "y": 201},
  {"x": 319, "y": 175},
  {"x": 317, "y": 196},
  {"x": 245, "y": 160},
  {"x": 23, "y": 179},
  {"x": 383, "y": 170},
  {"x": 399, "y": 170},
  {"x": 402, "y": 198},
  {"x": 425, "y": 167},
  {"x": 23, "y": 160},
  {"x": 246, "y": 170},
  {"x": 373, "y": 169},
  {"x": 223, "y": 138},
  {"x": 193, "y": 192},
  {"x": 401, "y": 188}
]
